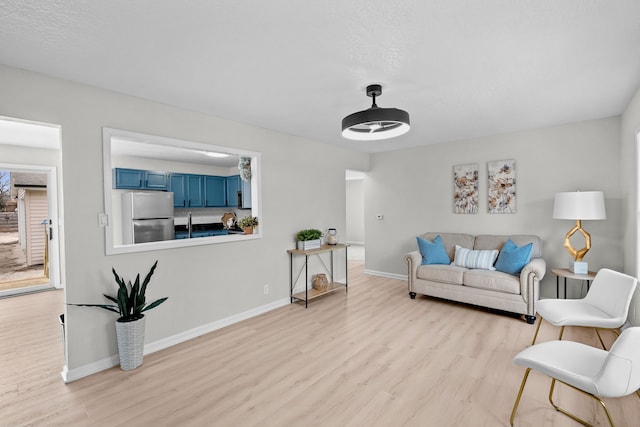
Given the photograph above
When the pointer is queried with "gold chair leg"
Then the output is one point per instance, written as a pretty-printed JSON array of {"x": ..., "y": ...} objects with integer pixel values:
[
  {"x": 517, "y": 402},
  {"x": 606, "y": 411},
  {"x": 574, "y": 417},
  {"x": 537, "y": 329},
  {"x": 535, "y": 336},
  {"x": 615, "y": 331},
  {"x": 604, "y": 347}
]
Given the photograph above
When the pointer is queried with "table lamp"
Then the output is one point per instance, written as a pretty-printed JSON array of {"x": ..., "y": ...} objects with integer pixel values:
[{"x": 579, "y": 206}]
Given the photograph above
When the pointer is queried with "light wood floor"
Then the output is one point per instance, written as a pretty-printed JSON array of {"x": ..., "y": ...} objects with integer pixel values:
[{"x": 373, "y": 357}]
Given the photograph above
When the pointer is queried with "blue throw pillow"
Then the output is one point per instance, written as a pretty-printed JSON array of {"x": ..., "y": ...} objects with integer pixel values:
[
  {"x": 512, "y": 258},
  {"x": 433, "y": 252}
]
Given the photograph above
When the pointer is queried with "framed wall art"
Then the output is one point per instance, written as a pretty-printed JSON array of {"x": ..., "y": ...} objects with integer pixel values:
[
  {"x": 501, "y": 186},
  {"x": 465, "y": 189}
]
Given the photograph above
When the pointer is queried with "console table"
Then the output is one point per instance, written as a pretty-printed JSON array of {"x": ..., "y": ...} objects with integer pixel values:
[{"x": 309, "y": 294}]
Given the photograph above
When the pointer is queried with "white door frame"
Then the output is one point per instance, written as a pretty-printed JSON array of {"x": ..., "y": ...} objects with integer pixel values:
[
  {"x": 52, "y": 200},
  {"x": 637, "y": 196}
]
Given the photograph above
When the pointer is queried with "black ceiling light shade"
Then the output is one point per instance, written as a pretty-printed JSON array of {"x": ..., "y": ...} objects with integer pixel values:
[{"x": 375, "y": 123}]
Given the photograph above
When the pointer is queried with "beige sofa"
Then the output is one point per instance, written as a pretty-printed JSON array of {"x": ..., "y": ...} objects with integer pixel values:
[{"x": 487, "y": 288}]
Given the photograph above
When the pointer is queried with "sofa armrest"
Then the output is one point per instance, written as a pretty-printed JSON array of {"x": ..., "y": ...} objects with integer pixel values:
[
  {"x": 413, "y": 260},
  {"x": 530, "y": 278}
]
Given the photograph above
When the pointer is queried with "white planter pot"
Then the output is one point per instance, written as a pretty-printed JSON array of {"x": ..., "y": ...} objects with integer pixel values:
[
  {"x": 305, "y": 245},
  {"x": 130, "y": 343}
]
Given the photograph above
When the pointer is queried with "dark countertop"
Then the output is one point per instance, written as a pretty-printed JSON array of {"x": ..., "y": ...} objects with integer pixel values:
[{"x": 204, "y": 230}]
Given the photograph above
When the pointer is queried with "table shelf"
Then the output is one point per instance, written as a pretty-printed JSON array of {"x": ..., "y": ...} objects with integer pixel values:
[{"x": 314, "y": 293}]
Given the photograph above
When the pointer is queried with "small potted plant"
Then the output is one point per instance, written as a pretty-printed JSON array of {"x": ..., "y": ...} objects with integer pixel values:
[
  {"x": 130, "y": 304},
  {"x": 248, "y": 223},
  {"x": 308, "y": 239}
]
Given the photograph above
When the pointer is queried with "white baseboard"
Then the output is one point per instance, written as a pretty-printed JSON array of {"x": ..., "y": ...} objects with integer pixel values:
[
  {"x": 219, "y": 324},
  {"x": 109, "y": 362},
  {"x": 384, "y": 274},
  {"x": 90, "y": 369}
]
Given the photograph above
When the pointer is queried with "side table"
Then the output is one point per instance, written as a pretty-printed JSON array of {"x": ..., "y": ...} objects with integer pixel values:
[
  {"x": 314, "y": 293},
  {"x": 565, "y": 273}
]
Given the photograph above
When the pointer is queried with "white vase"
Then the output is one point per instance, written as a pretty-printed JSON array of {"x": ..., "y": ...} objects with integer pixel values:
[{"x": 130, "y": 343}]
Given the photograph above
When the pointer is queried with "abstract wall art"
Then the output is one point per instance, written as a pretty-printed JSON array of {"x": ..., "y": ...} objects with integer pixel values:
[
  {"x": 501, "y": 186},
  {"x": 465, "y": 189}
]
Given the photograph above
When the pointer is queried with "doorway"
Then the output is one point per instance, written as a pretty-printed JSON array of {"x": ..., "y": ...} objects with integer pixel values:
[
  {"x": 355, "y": 232},
  {"x": 29, "y": 255}
]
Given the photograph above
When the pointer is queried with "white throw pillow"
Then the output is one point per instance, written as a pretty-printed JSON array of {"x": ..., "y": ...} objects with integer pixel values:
[{"x": 481, "y": 259}]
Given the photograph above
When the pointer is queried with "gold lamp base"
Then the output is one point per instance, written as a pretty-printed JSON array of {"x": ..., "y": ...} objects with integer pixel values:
[{"x": 578, "y": 267}]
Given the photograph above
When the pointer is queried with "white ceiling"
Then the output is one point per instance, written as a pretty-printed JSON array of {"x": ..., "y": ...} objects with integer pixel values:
[{"x": 461, "y": 68}]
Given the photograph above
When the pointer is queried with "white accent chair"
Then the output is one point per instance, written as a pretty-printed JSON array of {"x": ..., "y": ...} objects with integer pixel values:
[
  {"x": 605, "y": 306},
  {"x": 597, "y": 373}
]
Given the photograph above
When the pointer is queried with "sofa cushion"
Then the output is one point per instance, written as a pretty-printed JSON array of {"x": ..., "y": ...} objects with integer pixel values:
[
  {"x": 496, "y": 242},
  {"x": 441, "y": 273},
  {"x": 492, "y": 280},
  {"x": 433, "y": 252},
  {"x": 512, "y": 258},
  {"x": 470, "y": 258},
  {"x": 450, "y": 241}
]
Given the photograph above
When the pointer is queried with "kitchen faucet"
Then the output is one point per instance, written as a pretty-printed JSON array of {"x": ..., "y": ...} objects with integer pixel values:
[{"x": 189, "y": 223}]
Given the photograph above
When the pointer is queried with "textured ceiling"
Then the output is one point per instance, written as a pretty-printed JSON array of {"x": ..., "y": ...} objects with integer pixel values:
[{"x": 462, "y": 69}]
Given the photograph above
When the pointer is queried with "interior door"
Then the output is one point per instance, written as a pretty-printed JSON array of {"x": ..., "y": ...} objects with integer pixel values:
[{"x": 30, "y": 258}]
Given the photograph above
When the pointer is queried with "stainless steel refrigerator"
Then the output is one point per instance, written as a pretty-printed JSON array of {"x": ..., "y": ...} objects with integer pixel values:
[{"x": 147, "y": 217}]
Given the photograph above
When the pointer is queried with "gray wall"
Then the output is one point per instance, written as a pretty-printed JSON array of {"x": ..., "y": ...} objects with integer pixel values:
[
  {"x": 630, "y": 127},
  {"x": 413, "y": 189},
  {"x": 204, "y": 283}
]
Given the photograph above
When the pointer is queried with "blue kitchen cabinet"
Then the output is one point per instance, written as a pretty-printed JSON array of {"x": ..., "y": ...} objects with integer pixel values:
[
  {"x": 178, "y": 185},
  {"x": 138, "y": 179},
  {"x": 215, "y": 194},
  {"x": 155, "y": 180},
  {"x": 233, "y": 186},
  {"x": 127, "y": 178},
  {"x": 209, "y": 233},
  {"x": 200, "y": 233},
  {"x": 188, "y": 190},
  {"x": 195, "y": 191}
]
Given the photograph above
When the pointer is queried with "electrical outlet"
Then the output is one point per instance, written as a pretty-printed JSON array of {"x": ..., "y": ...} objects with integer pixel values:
[{"x": 266, "y": 289}]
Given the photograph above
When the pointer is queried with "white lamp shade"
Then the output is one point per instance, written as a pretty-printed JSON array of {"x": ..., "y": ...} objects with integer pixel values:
[{"x": 579, "y": 205}]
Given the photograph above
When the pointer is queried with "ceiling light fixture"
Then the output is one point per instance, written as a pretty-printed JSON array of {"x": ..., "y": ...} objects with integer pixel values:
[{"x": 375, "y": 123}]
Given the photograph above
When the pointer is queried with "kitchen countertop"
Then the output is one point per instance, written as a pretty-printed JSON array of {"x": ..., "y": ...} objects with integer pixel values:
[
  {"x": 197, "y": 219},
  {"x": 204, "y": 229}
]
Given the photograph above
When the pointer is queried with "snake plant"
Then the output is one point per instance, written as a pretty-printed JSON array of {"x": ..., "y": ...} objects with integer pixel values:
[{"x": 130, "y": 301}]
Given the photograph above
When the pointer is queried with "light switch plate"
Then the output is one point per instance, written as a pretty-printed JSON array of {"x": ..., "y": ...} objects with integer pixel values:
[{"x": 103, "y": 219}]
